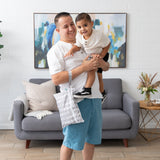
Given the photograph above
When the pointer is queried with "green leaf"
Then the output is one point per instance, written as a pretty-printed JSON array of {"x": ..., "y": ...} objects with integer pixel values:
[
  {"x": 155, "y": 90},
  {"x": 1, "y": 34},
  {"x": 1, "y": 46}
]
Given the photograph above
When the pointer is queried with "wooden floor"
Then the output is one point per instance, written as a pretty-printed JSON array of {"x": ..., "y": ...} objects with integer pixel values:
[{"x": 12, "y": 148}]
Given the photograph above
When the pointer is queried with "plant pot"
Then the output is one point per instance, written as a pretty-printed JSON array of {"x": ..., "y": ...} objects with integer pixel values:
[{"x": 147, "y": 96}]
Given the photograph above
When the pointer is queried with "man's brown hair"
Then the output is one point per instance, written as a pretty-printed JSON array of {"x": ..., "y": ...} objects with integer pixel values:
[{"x": 59, "y": 15}]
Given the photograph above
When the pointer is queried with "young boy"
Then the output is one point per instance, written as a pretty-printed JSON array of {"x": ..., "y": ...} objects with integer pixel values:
[{"x": 95, "y": 43}]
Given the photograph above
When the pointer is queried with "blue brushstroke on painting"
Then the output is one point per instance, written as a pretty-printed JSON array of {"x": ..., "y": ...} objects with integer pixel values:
[
  {"x": 49, "y": 34},
  {"x": 43, "y": 42},
  {"x": 118, "y": 31},
  {"x": 116, "y": 43}
]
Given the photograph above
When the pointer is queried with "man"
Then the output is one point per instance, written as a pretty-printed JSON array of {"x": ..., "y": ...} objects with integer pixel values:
[{"x": 81, "y": 136}]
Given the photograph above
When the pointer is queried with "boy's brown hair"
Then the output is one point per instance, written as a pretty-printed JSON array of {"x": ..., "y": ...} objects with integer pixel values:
[{"x": 83, "y": 15}]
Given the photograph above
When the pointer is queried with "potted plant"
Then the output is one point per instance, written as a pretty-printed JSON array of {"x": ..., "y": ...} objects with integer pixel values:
[{"x": 146, "y": 86}]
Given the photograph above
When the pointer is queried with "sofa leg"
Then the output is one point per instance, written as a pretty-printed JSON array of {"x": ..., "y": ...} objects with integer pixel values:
[
  {"x": 28, "y": 143},
  {"x": 125, "y": 142}
]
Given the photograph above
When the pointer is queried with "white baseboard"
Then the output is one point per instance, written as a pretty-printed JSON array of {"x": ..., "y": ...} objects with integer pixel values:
[{"x": 6, "y": 126}]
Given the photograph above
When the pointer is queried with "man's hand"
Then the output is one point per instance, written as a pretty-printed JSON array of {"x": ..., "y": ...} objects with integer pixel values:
[
  {"x": 102, "y": 64},
  {"x": 89, "y": 65},
  {"x": 96, "y": 55}
]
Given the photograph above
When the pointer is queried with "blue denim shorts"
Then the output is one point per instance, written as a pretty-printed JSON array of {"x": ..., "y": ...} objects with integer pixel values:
[{"x": 90, "y": 131}]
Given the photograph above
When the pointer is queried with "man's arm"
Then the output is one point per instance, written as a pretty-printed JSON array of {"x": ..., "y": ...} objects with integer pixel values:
[{"x": 63, "y": 77}]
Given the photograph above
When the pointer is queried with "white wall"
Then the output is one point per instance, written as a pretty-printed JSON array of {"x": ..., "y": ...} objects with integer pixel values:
[{"x": 17, "y": 63}]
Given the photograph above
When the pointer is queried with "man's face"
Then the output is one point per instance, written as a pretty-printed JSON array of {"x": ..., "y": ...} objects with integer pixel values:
[{"x": 66, "y": 28}]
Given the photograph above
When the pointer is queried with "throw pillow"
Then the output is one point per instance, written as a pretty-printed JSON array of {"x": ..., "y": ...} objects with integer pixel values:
[{"x": 40, "y": 96}]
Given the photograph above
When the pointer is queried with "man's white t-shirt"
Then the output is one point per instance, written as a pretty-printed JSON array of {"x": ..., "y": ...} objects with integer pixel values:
[
  {"x": 58, "y": 63},
  {"x": 94, "y": 44}
]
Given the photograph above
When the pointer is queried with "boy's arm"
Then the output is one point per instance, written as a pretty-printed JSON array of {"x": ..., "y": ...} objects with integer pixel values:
[
  {"x": 104, "y": 51},
  {"x": 72, "y": 51}
]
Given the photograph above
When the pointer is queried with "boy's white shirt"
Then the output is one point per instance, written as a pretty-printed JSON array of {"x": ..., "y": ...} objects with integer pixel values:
[
  {"x": 58, "y": 63},
  {"x": 96, "y": 42}
]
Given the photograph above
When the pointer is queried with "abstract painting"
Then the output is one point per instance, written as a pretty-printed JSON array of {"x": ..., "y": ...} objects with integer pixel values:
[{"x": 114, "y": 25}]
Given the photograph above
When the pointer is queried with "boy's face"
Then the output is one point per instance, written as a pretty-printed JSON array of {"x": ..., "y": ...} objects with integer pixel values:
[
  {"x": 66, "y": 28},
  {"x": 84, "y": 27}
]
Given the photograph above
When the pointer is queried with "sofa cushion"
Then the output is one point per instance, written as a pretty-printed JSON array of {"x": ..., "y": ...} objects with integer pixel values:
[
  {"x": 114, "y": 119},
  {"x": 48, "y": 123},
  {"x": 113, "y": 88}
]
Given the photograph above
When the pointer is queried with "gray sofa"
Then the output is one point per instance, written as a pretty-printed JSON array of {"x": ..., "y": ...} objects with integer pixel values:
[{"x": 120, "y": 117}]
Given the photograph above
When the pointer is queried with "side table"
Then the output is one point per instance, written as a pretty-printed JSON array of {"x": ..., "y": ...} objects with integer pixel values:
[{"x": 149, "y": 114}]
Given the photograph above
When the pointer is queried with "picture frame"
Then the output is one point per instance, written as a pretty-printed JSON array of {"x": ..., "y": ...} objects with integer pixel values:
[{"x": 114, "y": 25}]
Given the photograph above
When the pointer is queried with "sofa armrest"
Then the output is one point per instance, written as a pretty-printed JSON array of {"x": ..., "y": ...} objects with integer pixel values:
[
  {"x": 18, "y": 116},
  {"x": 131, "y": 107}
]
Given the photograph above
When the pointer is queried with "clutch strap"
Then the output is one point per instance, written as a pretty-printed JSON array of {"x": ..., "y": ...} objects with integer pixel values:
[{"x": 70, "y": 77}]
